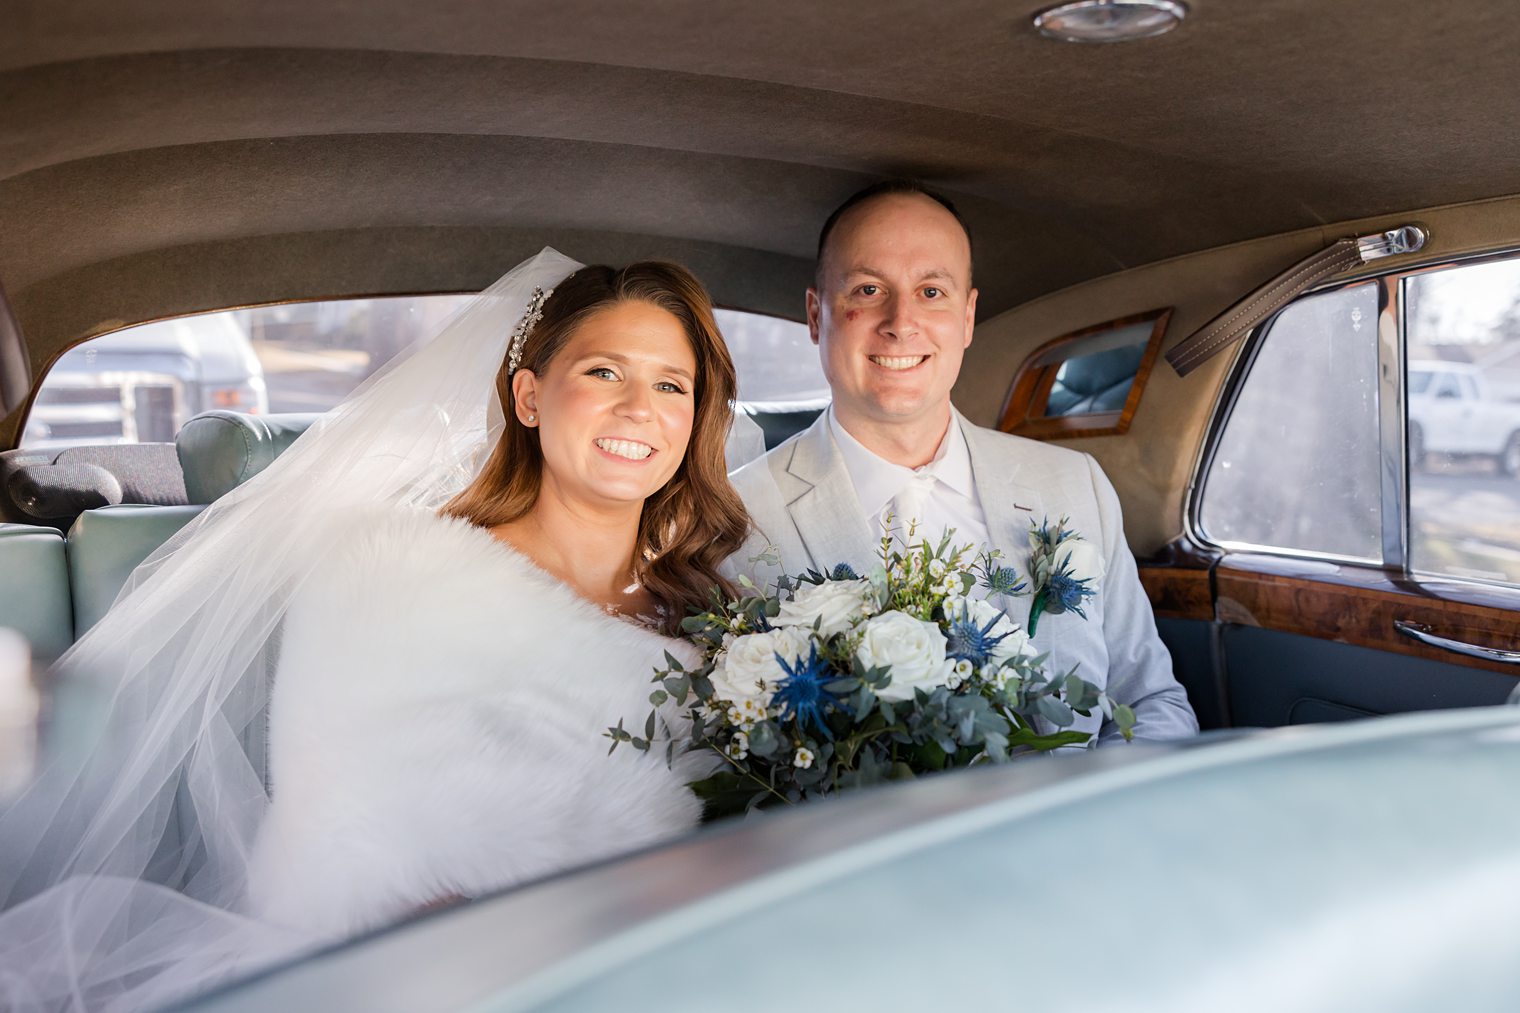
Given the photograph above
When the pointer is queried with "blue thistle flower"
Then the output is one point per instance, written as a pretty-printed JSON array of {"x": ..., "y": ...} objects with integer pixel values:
[
  {"x": 1065, "y": 593},
  {"x": 844, "y": 571},
  {"x": 967, "y": 641},
  {"x": 1002, "y": 580},
  {"x": 802, "y": 693}
]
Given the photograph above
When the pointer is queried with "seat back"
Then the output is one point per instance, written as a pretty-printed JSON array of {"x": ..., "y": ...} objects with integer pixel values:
[
  {"x": 220, "y": 450},
  {"x": 105, "y": 546},
  {"x": 34, "y": 588}
]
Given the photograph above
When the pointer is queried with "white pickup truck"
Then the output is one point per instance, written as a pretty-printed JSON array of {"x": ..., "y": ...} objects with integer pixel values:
[{"x": 1452, "y": 411}]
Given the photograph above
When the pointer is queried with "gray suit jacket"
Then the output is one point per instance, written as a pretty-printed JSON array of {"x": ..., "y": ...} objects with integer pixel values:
[{"x": 801, "y": 502}]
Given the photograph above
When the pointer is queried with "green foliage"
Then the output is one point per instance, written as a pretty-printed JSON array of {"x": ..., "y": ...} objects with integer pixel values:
[{"x": 1007, "y": 709}]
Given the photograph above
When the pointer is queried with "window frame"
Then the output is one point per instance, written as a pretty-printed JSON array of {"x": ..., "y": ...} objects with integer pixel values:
[{"x": 1392, "y": 414}]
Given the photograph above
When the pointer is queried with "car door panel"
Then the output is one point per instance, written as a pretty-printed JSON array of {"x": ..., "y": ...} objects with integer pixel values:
[{"x": 1263, "y": 641}]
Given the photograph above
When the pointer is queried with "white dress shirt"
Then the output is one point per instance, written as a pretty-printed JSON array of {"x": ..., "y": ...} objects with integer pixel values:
[{"x": 939, "y": 495}]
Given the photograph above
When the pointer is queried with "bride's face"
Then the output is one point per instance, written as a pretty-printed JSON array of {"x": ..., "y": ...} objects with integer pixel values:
[{"x": 615, "y": 407}]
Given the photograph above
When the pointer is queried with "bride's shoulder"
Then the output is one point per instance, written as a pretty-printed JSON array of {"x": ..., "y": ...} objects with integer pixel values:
[{"x": 407, "y": 551}]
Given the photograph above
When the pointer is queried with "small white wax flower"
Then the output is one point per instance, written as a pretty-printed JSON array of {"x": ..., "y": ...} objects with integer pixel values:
[
  {"x": 738, "y": 746},
  {"x": 963, "y": 669},
  {"x": 804, "y": 758},
  {"x": 937, "y": 568}
]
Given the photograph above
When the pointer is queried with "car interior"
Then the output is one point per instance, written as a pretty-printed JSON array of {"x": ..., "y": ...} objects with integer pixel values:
[{"x": 177, "y": 159}]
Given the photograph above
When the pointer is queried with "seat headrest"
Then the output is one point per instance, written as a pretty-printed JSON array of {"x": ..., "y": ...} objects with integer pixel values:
[{"x": 220, "y": 450}]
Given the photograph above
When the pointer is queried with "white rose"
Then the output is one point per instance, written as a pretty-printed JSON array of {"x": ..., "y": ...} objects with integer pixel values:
[
  {"x": 749, "y": 670},
  {"x": 1083, "y": 559},
  {"x": 981, "y": 612},
  {"x": 912, "y": 648},
  {"x": 836, "y": 605}
]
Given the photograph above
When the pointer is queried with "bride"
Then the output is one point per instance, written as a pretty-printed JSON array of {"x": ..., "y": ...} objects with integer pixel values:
[{"x": 428, "y": 610}]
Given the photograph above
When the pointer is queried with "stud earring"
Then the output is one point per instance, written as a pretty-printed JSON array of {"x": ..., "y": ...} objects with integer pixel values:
[{"x": 532, "y": 418}]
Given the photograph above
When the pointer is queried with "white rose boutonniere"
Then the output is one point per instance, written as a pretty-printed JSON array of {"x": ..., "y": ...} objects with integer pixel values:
[
  {"x": 1067, "y": 571},
  {"x": 835, "y": 605},
  {"x": 912, "y": 648}
]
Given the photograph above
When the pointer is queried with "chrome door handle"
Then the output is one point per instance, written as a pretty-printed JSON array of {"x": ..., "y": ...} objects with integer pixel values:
[{"x": 1421, "y": 632}]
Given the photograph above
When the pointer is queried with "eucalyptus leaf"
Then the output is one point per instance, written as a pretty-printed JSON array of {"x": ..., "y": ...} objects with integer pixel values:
[{"x": 1054, "y": 711}]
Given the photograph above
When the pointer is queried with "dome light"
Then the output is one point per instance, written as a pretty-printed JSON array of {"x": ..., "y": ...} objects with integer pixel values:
[{"x": 1110, "y": 20}]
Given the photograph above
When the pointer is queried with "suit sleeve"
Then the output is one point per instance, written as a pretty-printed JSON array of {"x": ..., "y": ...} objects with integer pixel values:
[{"x": 1139, "y": 667}]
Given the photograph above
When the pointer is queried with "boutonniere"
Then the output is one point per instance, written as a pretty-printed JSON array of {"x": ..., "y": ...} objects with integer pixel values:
[{"x": 1066, "y": 570}]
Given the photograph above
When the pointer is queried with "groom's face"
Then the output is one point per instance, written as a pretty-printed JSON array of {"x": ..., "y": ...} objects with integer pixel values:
[{"x": 893, "y": 311}]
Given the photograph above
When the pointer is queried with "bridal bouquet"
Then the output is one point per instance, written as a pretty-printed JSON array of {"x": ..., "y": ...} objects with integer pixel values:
[{"x": 838, "y": 680}]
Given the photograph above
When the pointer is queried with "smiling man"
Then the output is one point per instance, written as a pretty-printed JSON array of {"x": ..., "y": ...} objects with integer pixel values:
[{"x": 892, "y": 311}]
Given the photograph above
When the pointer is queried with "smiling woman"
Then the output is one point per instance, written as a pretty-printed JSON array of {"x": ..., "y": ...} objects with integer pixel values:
[
  {"x": 425, "y": 740},
  {"x": 621, "y": 363}
]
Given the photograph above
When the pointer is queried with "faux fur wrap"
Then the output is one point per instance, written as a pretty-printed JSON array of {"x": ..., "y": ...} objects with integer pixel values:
[{"x": 435, "y": 728}]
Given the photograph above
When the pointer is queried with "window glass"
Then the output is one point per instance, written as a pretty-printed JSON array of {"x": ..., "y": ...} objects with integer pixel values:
[
  {"x": 1463, "y": 328},
  {"x": 142, "y": 383},
  {"x": 1297, "y": 464},
  {"x": 777, "y": 363}
]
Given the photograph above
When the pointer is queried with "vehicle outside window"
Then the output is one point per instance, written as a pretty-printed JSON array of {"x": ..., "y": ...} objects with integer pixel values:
[
  {"x": 1463, "y": 383},
  {"x": 1297, "y": 469},
  {"x": 141, "y": 384}
]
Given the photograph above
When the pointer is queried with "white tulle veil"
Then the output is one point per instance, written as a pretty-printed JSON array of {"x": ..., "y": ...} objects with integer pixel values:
[{"x": 123, "y": 868}]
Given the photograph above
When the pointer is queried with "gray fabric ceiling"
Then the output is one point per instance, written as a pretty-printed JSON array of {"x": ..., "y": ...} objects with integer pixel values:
[{"x": 162, "y": 132}]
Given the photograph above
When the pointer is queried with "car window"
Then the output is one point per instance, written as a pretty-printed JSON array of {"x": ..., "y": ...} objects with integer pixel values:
[
  {"x": 1464, "y": 454},
  {"x": 1295, "y": 467},
  {"x": 142, "y": 383},
  {"x": 1297, "y": 464}
]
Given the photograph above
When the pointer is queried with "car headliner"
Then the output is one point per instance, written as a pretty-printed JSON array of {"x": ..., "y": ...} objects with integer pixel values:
[{"x": 165, "y": 157}]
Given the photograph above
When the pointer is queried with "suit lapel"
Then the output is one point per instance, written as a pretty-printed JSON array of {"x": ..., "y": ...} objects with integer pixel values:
[
  {"x": 828, "y": 513},
  {"x": 1008, "y": 491}
]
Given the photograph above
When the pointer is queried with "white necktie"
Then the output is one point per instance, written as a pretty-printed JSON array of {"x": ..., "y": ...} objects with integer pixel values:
[{"x": 911, "y": 502}]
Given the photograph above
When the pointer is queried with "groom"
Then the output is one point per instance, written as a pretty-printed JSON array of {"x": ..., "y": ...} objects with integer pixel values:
[{"x": 892, "y": 312}]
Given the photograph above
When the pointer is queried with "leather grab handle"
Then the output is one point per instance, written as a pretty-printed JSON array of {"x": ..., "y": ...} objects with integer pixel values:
[{"x": 1237, "y": 321}]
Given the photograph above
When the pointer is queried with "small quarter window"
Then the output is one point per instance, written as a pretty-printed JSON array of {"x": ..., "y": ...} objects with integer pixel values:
[{"x": 1087, "y": 383}]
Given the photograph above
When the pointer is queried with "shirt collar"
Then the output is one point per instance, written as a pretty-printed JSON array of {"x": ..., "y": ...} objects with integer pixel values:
[{"x": 877, "y": 481}]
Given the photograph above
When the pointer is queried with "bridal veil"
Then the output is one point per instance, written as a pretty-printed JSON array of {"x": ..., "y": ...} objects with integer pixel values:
[{"x": 123, "y": 867}]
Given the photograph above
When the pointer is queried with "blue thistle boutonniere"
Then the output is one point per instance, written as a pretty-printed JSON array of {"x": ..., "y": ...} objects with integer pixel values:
[{"x": 1066, "y": 570}]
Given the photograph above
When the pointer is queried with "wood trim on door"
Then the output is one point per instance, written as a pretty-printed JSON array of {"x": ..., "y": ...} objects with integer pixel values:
[{"x": 1341, "y": 602}]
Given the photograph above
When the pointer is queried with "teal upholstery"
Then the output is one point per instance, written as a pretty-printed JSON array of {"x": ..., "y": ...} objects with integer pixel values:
[
  {"x": 220, "y": 450},
  {"x": 34, "y": 588},
  {"x": 104, "y": 547},
  {"x": 1098, "y": 382}
]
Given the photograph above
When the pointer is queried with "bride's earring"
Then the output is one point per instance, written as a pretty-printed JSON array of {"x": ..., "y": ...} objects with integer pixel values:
[{"x": 532, "y": 418}]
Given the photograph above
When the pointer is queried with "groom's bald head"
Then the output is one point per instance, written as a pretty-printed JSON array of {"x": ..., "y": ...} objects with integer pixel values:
[{"x": 876, "y": 191}]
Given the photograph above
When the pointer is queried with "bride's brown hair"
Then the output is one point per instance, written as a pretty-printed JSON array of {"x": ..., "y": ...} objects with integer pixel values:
[{"x": 696, "y": 521}]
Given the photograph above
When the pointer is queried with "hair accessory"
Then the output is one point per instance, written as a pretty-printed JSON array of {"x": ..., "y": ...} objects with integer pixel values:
[{"x": 532, "y": 315}]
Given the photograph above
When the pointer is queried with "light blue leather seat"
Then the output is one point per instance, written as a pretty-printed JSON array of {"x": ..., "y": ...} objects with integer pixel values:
[
  {"x": 105, "y": 546},
  {"x": 218, "y": 451},
  {"x": 34, "y": 588}
]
